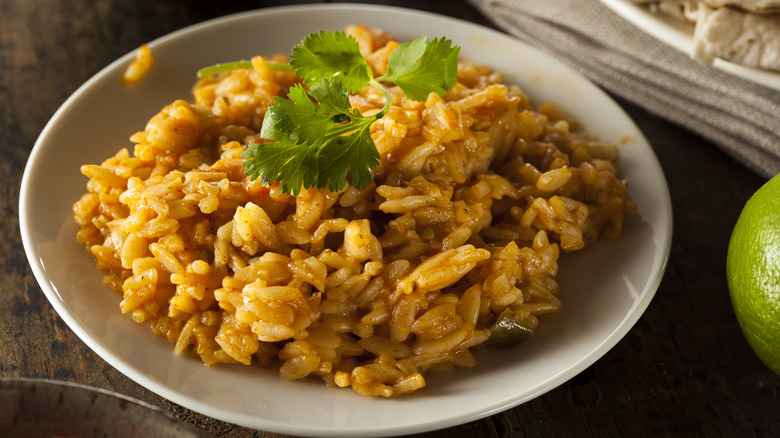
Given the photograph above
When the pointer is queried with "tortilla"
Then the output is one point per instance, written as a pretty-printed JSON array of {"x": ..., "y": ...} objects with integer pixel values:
[
  {"x": 756, "y": 6},
  {"x": 740, "y": 37},
  {"x": 745, "y": 32},
  {"x": 681, "y": 10}
]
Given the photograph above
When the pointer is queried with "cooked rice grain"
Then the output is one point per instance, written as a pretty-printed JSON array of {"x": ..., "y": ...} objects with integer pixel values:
[{"x": 139, "y": 66}]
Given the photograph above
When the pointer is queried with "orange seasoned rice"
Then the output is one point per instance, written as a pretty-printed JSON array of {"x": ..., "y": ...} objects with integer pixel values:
[
  {"x": 476, "y": 196},
  {"x": 140, "y": 65}
]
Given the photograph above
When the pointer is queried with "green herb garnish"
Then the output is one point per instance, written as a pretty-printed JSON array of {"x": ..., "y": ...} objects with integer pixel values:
[{"x": 318, "y": 140}]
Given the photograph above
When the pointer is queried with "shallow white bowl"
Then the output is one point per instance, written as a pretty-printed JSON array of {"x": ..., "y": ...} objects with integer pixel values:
[
  {"x": 679, "y": 35},
  {"x": 604, "y": 290}
]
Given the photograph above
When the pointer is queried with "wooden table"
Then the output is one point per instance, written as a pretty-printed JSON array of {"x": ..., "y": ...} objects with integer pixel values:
[{"x": 683, "y": 370}]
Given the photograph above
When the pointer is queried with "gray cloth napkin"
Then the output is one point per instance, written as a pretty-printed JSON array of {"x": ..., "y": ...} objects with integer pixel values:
[{"x": 740, "y": 116}]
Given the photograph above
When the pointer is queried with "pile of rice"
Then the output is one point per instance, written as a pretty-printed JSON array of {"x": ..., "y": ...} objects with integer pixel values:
[{"x": 477, "y": 195}]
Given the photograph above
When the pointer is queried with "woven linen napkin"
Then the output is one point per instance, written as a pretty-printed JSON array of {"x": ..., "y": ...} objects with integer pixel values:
[{"x": 740, "y": 116}]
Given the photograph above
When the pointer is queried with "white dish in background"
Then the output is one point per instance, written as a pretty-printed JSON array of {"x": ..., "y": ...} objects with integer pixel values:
[
  {"x": 679, "y": 35},
  {"x": 35, "y": 407},
  {"x": 604, "y": 290}
]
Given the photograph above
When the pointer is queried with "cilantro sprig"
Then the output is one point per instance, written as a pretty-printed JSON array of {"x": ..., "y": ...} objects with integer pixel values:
[{"x": 316, "y": 138}]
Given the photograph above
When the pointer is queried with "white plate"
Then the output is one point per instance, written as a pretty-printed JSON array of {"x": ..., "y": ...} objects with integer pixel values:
[
  {"x": 604, "y": 290},
  {"x": 679, "y": 35}
]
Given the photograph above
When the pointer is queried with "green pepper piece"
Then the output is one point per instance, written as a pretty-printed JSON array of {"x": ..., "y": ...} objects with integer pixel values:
[{"x": 508, "y": 330}]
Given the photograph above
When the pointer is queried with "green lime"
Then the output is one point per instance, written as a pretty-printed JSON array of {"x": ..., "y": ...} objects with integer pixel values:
[{"x": 753, "y": 271}]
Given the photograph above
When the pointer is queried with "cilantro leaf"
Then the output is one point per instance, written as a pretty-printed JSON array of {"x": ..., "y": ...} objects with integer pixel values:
[
  {"x": 352, "y": 155},
  {"x": 292, "y": 165},
  {"x": 303, "y": 120},
  {"x": 282, "y": 118},
  {"x": 333, "y": 99},
  {"x": 315, "y": 137},
  {"x": 327, "y": 55},
  {"x": 317, "y": 141},
  {"x": 419, "y": 67}
]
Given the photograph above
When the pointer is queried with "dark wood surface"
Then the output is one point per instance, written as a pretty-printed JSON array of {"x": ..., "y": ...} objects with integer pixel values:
[{"x": 683, "y": 370}]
